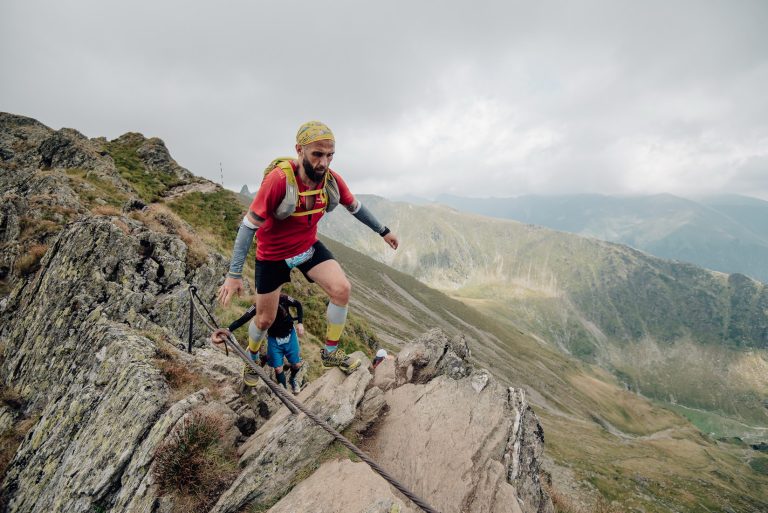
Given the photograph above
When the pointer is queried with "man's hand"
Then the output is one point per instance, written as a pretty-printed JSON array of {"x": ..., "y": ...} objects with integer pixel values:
[
  {"x": 220, "y": 336},
  {"x": 232, "y": 287},
  {"x": 300, "y": 329},
  {"x": 391, "y": 239}
]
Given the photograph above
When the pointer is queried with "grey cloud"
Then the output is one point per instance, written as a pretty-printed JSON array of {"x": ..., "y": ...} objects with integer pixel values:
[{"x": 549, "y": 96}]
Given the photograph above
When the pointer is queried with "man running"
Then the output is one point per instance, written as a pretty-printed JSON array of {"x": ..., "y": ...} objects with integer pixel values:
[{"x": 292, "y": 198}]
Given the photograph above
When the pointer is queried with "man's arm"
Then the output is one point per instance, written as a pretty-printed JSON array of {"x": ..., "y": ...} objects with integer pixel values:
[
  {"x": 299, "y": 314},
  {"x": 233, "y": 285},
  {"x": 365, "y": 216}
]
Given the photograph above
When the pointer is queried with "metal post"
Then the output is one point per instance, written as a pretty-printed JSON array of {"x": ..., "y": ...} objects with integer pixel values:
[{"x": 191, "y": 319}]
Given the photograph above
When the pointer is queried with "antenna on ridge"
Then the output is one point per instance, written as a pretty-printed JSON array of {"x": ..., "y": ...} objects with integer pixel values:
[{"x": 222, "y": 174}]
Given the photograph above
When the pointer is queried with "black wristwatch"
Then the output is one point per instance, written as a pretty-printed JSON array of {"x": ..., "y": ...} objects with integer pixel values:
[{"x": 384, "y": 232}]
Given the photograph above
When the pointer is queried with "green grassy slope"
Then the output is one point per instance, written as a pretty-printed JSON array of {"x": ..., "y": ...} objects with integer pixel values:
[
  {"x": 632, "y": 451},
  {"x": 725, "y": 233},
  {"x": 669, "y": 330}
]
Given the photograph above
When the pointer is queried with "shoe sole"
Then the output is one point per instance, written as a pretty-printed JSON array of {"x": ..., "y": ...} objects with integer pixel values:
[
  {"x": 250, "y": 380},
  {"x": 352, "y": 367}
]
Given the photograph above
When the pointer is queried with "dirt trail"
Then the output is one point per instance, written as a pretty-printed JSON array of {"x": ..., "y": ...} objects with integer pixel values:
[{"x": 182, "y": 190}]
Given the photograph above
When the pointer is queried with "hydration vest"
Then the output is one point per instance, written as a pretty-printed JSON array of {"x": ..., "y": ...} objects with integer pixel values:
[{"x": 329, "y": 192}]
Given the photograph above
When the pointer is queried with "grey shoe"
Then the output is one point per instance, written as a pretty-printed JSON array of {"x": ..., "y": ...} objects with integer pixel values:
[{"x": 295, "y": 388}]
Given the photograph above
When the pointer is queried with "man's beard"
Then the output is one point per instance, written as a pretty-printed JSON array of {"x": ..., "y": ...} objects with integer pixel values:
[{"x": 312, "y": 173}]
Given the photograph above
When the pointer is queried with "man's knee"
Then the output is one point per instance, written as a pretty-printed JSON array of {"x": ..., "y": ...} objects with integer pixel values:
[
  {"x": 265, "y": 320},
  {"x": 340, "y": 291}
]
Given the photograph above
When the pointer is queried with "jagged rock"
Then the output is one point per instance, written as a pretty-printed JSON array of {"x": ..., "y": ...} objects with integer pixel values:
[
  {"x": 471, "y": 432},
  {"x": 134, "y": 204},
  {"x": 138, "y": 490},
  {"x": 60, "y": 150},
  {"x": 384, "y": 376},
  {"x": 430, "y": 355},
  {"x": 246, "y": 423},
  {"x": 525, "y": 449},
  {"x": 10, "y": 216},
  {"x": 287, "y": 444},
  {"x": 341, "y": 486},
  {"x": 28, "y": 146},
  {"x": 7, "y": 418},
  {"x": 447, "y": 432},
  {"x": 448, "y": 422},
  {"x": 201, "y": 185},
  {"x": 372, "y": 407},
  {"x": 71, "y": 357},
  {"x": 78, "y": 450},
  {"x": 155, "y": 156}
]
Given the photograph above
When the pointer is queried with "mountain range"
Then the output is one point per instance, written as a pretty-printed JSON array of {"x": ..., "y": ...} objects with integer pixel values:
[
  {"x": 669, "y": 330},
  {"x": 727, "y": 233}
]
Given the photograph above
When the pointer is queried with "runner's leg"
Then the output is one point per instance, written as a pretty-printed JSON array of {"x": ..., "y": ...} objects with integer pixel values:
[
  {"x": 333, "y": 281},
  {"x": 275, "y": 354},
  {"x": 266, "y": 311}
]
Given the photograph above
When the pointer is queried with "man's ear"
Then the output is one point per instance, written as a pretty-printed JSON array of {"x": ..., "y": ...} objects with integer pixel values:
[{"x": 299, "y": 150}]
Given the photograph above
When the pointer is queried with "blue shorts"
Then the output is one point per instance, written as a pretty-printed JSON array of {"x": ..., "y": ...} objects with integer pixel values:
[{"x": 287, "y": 347}]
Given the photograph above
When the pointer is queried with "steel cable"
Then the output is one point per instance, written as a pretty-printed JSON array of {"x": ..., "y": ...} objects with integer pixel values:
[{"x": 294, "y": 405}]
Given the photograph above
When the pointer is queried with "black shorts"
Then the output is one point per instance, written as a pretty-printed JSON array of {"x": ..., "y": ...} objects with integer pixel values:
[{"x": 270, "y": 274}]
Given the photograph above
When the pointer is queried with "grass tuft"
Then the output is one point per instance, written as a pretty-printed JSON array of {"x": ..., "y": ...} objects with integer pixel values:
[
  {"x": 161, "y": 219},
  {"x": 194, "y": 464},
  {"x": 11, "y": 438},
  {"x": 30, "y": 261},
  {"x": 106, "y": 210},
  {"x": 218, "y": 213},
  {"x": 178, "y": 374}
]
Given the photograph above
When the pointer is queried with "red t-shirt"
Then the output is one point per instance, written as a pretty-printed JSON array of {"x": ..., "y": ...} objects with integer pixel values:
[{"x": 278, "y": 240}]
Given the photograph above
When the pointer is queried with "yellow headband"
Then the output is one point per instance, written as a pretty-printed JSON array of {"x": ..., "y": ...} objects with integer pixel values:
[{"x": 312, "y": 131}]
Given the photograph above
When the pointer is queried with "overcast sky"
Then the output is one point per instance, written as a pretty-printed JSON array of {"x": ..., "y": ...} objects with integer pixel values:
[{"x": 475, "y": 98}]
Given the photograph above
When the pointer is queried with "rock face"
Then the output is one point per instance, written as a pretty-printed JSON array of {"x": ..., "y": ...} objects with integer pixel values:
[
  {"x": 80, "y": 334},
  {"x": 355, "y": 488},
  {"x": 28, "y": 147},
  {"x": 74, "y": 352},
  {"x": 287, "y": 444},
  {"x": 460, "y": 426},
  {"x": 49, "y": 178}
]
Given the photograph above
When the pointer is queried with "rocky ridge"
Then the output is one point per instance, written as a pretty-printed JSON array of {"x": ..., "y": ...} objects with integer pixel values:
[{"x": 86, "y": 334}]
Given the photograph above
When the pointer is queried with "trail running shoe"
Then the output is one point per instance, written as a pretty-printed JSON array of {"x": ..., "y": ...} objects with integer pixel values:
[
  {"x": 339, "y": 359},
  {"x": 295, "y": 388},
  {"x": 250, "y": 378}
]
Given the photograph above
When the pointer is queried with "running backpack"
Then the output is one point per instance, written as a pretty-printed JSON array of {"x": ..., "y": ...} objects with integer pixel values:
[{"x": 329, "y": 192}]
